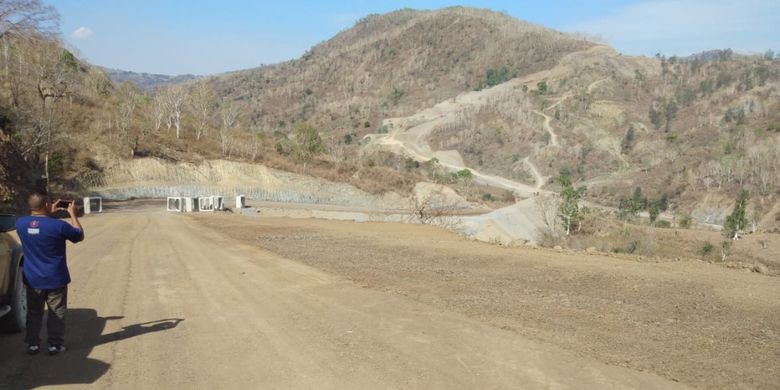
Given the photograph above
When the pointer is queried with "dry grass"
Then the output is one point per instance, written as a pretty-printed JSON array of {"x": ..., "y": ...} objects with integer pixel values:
[{"x": 756, "y": 252}]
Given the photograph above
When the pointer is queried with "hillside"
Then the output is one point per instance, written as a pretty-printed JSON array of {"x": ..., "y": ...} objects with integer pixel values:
[
  {"x": 475, "y": 89},
  {"x": 550, "y": 104},
  {"x": 393, "y": 64},
  {"x": 684, "y": 128},
  {"x": 145, "y": 81}
]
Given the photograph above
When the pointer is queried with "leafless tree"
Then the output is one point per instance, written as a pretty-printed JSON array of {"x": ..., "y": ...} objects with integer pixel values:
[
  {"x": 177, "y": 98},
  {"x": 129, "y": 98},
  {"x": 229, "y": 115},
  {"x": 26, "y": 18},
  {"x": 549, "y": 205},
  {"x": 255, "y": 144},
  {"x": 203, "y": 104},
  {"x": 174, "y": 97},
  {"x": 43, "y": 79},
  {"x": 160, "y": 111},
  {"x": 433, "y": 208}
]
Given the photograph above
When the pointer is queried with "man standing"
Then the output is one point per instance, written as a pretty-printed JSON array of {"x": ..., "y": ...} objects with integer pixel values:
[{"x": 45, "y": 268}]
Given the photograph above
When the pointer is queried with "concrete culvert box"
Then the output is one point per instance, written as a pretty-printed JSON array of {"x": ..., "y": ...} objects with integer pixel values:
[
  {"x": 206, "y": 203},
  {"x": 190, "y": 204},
  {"x": 218, "y": 202},
  {"x": 240, "y": 201},
  {"x": 93, "y": 204},
  {"x": 175, "y": 204}
]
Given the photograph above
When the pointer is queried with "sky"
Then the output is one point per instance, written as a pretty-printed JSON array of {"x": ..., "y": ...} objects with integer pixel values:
[{"x": 207, "y": 37}]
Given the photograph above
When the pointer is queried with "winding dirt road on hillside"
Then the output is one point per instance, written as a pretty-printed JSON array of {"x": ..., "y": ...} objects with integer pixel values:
[
  {"x": 160, "y": 302},
  {"x": 408, "y": 136}
]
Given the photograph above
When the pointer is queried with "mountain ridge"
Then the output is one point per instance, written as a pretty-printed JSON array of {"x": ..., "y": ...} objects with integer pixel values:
[{"x": 145, "y": 81}]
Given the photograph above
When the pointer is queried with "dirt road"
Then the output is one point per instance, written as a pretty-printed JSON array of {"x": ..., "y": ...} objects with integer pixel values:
[
  {"x": 159, "y": 301},
  {"x": 697, "y": 323}
]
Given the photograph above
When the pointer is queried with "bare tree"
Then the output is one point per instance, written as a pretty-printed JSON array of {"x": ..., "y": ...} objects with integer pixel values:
[
  {"x": 433, "y": 208},
  {"x": 174, "y": 97},
  {"x": 129, "y": 98},
  {"x": 255, "y": 144},
  {"x": 52, "y": 73},
  {"x": 26, "y": 18},
  {"x": 203, "y": 104},
  {"x": 178, "y": 97},
  {"x": 160, "y": 111},
  {"x": 229, "y": 115},
  {"x": 549, "y": 205},
  {"x": 46, "y": 74}
]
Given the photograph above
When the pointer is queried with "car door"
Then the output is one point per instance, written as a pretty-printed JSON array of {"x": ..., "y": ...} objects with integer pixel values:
[{"x": 8, "y": 249}]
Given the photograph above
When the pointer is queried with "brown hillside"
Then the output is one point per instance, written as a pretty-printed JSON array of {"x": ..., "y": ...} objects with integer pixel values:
[
  {"x": 393, "y": 64},
  {"x": 695, "y": 129}
]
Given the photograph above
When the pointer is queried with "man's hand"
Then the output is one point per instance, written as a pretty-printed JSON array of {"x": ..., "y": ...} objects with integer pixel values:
[
  {"x": 72, "y": 209},
  {"x": 57, "y": 206},
  {"x": 74, "y": 219}
]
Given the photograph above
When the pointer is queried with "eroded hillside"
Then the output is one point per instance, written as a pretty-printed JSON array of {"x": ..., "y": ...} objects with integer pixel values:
[
  {"x": 393, "y": 64},
  {"x": 508, "y": 103}
]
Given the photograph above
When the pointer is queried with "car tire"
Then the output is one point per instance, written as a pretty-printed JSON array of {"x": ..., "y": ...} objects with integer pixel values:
[{"x": 16, "y": 320}]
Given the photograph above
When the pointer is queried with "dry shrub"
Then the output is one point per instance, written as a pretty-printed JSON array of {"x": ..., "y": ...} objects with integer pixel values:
[
  {"x": 548, "y": 207},
  {"x": 433, "y": 208}
]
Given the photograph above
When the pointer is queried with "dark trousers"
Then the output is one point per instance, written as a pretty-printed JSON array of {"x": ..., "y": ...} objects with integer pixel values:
[{"x": 57, "y": 301}]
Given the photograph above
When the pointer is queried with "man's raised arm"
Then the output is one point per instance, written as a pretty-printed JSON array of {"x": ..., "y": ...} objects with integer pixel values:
[{"x": 74, "y": 220}]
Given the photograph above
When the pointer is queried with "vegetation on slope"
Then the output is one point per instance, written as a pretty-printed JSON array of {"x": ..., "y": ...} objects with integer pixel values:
[{"x": 686, "y": 128}]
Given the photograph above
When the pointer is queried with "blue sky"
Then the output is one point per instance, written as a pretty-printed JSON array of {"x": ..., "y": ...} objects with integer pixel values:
[{"x": 205, "y": 37}]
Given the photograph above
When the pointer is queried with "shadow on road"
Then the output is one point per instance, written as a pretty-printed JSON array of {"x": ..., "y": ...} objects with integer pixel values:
[{"x": 85, "y": 332}]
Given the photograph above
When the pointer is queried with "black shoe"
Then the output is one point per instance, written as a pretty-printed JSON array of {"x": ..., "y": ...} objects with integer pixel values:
[
  {"x": 56, "y": 349},
  {"x": 33, "y": 349}
]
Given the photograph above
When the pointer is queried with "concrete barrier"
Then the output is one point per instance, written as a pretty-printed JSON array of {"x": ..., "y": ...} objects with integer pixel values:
[
  {"x": 175, "y": 204},
  {"x": 206, "y": 203},
  {"x": 190, "y": 204},
  {"x": 218, "y": 203},
  {"x": 89, "y": 208}
]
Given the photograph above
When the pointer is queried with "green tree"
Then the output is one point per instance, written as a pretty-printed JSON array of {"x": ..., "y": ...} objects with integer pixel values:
[
  {"x": 663, "y": 202},
  {"x": 569, "y": 209},
  {"x": 68, "y": 60},
  {"x": 654, "y": 212},
  {"x": 494, "y": 77},
  {"x": 541, "y": 87},
  {"x": 638, "y": 199},
  {"x": 628, "y": 208},
  {"x": 465, "y": 174},
  {"x": 307, "y": 143},
  {"x": 670, "y": 112},
  {"x": 685, "y": 221},
  {"x": 737, "y": 221}
]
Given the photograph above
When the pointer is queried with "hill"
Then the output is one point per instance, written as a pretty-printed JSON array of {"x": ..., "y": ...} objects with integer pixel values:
[
  {"x": 145, "y": 81},
  {"x": 482, "y": 92},
  {"x": 393, "y": 64},
  {"x": 693, "y": 130}
]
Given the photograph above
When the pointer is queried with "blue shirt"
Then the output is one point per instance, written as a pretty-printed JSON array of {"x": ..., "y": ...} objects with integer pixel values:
[{"x": 43, "y": 244}]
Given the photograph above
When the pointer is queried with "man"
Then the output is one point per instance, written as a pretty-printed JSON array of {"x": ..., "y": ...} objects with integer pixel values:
[{"x": 45, "y": 269}]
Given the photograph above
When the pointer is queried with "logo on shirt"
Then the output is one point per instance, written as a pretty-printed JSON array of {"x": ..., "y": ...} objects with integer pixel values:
[{"x": 33, "y": 229}]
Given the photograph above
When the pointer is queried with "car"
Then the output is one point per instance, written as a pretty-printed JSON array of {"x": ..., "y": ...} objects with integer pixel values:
[{"x": 13, "y": 298}]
